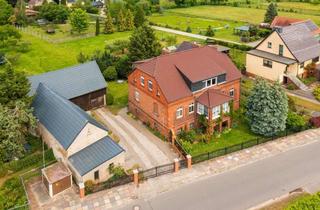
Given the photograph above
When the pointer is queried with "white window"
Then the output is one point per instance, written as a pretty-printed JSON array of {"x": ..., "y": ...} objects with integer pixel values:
[
  {"x": 225, "y": 107},
  {"x": 179, "y": 113},
  {"x": 137, "y": 95},
  {"x": 210, "y": 82},
  {"x": 302, "y": 65},
  {"x": 267, "y": 63},
  {"x": 269, "y": 45},
  {"x": 231, "y": 92},
  {"x": 142, "y": 80},
  {"x": 150, "y": 85},
  {"x": 216, "y": 112},
  {"x": 200, "y": 108},
  {"x": 191, "y": 108}
]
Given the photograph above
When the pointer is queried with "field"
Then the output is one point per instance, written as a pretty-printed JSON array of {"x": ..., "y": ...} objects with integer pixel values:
[
  {"x": 250, "y": 15},
  {"x": 44, "y": 56},
  {"x": 223, "y": 29}
]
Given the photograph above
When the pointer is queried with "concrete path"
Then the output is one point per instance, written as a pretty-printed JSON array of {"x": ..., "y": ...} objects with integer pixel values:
[
  {"x": 236, "y": 181},
  {"x": 135, "y": 141}
]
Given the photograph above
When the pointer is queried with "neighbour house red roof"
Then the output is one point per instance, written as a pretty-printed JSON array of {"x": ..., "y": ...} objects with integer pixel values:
[
  {"x": 196, "y": 64},
  {"x": 280, "y": 21},
  {"x": 212, "y": 98}
]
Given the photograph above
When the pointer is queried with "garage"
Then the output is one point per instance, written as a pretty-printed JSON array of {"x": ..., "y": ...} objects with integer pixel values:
[{"x": 56, "y": 178}]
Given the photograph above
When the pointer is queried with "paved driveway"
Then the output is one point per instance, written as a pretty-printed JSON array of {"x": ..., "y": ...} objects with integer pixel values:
[{"x": 141, "y": 145}]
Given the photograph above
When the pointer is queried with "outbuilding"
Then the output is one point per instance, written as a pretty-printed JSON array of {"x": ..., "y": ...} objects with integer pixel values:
[
  {"x": 56, "y": 178},
  {"x": 82, "y": 84}
]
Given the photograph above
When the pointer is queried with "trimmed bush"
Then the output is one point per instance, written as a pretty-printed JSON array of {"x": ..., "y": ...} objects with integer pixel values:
[
  {"x": 295, "y": 122},
  {"x": 306, "y": 203},
  {"x": 88, "y": 186}
]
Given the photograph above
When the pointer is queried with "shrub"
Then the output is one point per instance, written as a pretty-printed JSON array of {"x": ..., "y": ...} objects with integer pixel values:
[
  {"x": 110, "y": 73},
  {"x": 295, "y": 122},
  {"x": 110, "y": 99},
  {"x": 316, "y": 93},
  {"x": 291, "y": 87},
  {"x": 186, "y": 146},
  {"x": 306, "y": 203},
  {"x": 189, "y": 136},
  {"x": 12, "y": 194},
  {"x": 315, "y": 121},
  {"x": 3, "y": 170},
  {"x": 88, "y": 186},
  {"x": 117, "y": 172},
  {"x": 209, "y": 31},
  {"x": 189, "y": 30}
]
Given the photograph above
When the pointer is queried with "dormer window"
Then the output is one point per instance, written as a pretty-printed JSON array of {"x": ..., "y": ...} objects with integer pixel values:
[{"x": 210, "y": 82}]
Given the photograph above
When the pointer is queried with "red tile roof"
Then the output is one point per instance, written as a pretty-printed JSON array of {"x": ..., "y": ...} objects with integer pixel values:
[
  {"x": 196, "y": 64},
  {"x": 212, "y": 98},
  {"x": 279, "y": 21}
]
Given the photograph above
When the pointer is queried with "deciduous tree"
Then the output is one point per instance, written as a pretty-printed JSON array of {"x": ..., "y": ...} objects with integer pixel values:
[
  {"x": 79, "y": 20},
  {"x": 267, "y": 108}
]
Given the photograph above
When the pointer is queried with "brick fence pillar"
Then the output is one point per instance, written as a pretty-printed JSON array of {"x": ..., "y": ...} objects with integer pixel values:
[
  {"x": 82, "y": 191},
  {"x": 189, "y": 161},
  {"x": 136, "y": 177},
  {"x": 176, "y": 165}
]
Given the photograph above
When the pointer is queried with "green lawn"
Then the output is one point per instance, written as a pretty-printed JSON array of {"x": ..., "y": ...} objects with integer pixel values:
[
  {"x": 240, "y": 133},
  {"x": 250, "y": 15},
  {"x": 45, "y": 56},
  {"x": 119, "y": 91},
  {"x": 223, "y": 29}
]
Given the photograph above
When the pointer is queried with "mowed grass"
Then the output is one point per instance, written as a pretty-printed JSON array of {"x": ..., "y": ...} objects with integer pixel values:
[
  {"x": 223, "y": 29},
  {"x": 237, "y": 135},
  {"x": 119, "y": 91},
  {"x": 44, "y": 56},
  {"x": 250, "y": 15}
]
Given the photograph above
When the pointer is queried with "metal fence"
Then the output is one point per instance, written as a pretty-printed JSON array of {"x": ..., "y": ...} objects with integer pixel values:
[
  {"x": 226, "y": 150},
  {"x": 156, "y": 171},
  {"x": 110, "y": 184}
]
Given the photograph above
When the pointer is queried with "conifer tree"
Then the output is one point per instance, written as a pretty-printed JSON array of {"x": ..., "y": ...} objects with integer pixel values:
[
  {"x": 267, "y": 108},
  {"x": 271, "y": 13},
  {"x": 121, "y": 21},
  {"x": 20, "y": 12},
  {"x": 129, "y": 20},
  {"x": 143, "y": 44},
  {"x": 108, "y": 24},
  {"x": 139, "y": 17},
  {"x": 97, "y": 26}
]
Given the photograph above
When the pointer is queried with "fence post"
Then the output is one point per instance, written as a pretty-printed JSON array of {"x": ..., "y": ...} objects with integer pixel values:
[
  {"x": 136, "y": 177},
  {"x": 82, "y": 192},
  {"x": 189, "y": 161},
  {"x": 176, "y": 165}
]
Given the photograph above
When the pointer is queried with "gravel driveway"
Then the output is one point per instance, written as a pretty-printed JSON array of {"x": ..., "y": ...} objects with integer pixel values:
[{"x": 142, "y": 147}]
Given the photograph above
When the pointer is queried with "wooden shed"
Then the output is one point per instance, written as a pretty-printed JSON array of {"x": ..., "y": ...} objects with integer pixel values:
[
  {"x": 57, "y": 178},
  {"x": 82, "y": 84}
]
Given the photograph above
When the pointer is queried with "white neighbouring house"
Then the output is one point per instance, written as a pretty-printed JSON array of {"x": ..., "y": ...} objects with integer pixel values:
[{"x": 284, "y": 54}]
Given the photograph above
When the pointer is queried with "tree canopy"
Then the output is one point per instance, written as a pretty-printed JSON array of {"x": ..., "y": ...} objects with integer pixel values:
[
  {"x": 143, "y": 44},
  {"x": 108, "y": 24},
  {"x": 139, "y": 17},
  {"x": 6, "y": 11},
  {"x": 79, "y": 20},
  {"x": 271, "y": 13},
  {"x": 54, "y": 12},
  {"x": 267, "y": 108}
]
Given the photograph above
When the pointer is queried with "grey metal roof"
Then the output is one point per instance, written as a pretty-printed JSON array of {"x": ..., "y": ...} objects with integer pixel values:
[
  {"x": 242, "y": 28},
  {"x": 272, "y": 57},
  {"x": 63, "y": 119},
  {"x": 300, "y": 41},
  {"x": 94, "y": 155},
  {"x": 71, "y": 82},
  {"x": 185, "y": 45}
]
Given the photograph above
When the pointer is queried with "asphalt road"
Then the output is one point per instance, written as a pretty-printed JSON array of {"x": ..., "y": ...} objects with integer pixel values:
[{"x": 246, "y": 186}]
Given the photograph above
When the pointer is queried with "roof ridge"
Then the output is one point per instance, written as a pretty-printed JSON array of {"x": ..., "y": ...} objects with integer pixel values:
[{"x": 64, "y": 101}]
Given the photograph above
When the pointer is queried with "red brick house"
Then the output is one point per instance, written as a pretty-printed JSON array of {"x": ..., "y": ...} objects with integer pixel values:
[{"x": 170, "y": 91}]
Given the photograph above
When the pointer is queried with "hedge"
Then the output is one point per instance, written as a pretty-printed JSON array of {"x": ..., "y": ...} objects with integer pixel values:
[
  {"x": 229, "y": 44},
  {"x": 25, "y": 162},
  {"x": 310, "y": 202}
]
